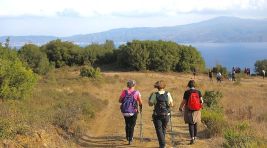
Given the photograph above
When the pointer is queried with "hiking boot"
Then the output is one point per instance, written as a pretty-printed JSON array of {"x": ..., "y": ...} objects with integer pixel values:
[
  {"x": 130, "y": 141},
  {"x": 192, "y": 141}
]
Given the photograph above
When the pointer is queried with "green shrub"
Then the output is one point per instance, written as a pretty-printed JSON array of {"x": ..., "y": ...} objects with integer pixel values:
[
  {"x": 16, "y": 81},
  {"x": 221, "y": 69},
  {"x": 35, "y": 58},
  {"x": 212, "y": 98},
  {"x": 240, "y": 136},
  {"x": 260, "y": 65},
  {"x": 214, "y": 120},
  {"x": 90, "y": 72}
]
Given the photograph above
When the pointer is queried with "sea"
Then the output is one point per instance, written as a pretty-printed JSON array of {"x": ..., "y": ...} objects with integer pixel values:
[{"x": 243, "y": 55}]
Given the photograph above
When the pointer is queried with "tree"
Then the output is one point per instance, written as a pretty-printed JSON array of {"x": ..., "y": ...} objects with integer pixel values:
[
  {"x": 260, "y": 65},
  {"x": 63, "y": 53},
  {"x": 16, "y": 80},
  {"x": 159, "y": 56},
  {"x": 35, "y": 58},
  {"x": 7, "y": 42}
]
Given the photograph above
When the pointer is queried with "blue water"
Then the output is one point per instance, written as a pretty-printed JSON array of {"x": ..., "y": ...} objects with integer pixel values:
[{"x": 232, "y": 54}]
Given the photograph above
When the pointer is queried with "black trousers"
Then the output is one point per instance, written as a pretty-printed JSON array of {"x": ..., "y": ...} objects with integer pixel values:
[
  {"x": 160, "y": 123},
  {"x": 129, "y": 126},
  {"x": 192, "y": 130}
]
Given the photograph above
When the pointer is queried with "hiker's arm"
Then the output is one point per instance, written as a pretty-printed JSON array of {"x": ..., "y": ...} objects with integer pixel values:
[
  {"x": 120, "y": 100},
  {"x": 121, "y": 96},
  {"x": 151, "y": 99},
  {"x": 182, "y": 105},
  {"x": 170, "y": 100}
]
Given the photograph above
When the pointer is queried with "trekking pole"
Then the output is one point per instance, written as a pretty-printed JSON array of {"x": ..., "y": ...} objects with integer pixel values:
[
  {"x": 141, "y": 128},
  {"x": 172, "y": 136},
  {"x": 171, "y": 120}
]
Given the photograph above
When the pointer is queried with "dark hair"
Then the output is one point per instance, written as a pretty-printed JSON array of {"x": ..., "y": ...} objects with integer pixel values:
[
  {"x": 160, "y": 84},
  {"x": 191, "y": 84}
]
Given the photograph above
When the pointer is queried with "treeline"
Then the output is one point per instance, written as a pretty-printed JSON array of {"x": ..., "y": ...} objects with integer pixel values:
[
  {"x": 19, "y": 68},
  {"x": 135, "y": 55},
  {"x": 159, "y": 56}
]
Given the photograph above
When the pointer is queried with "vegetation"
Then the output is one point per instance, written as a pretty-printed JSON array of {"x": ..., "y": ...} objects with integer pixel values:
[
  {"x": 88, "y": 71},
  {"x": 55, "y": 101},
  {"x": 260, "y": 65},
  {"x": 16, "y": 80},
  {"x": 213, "y": 116},
  {"x": 221, "y": 69},
  {"x": 159, "y": 56},
  {"x": 241, "y": 136},
  {"x": 35, "y": 58}
]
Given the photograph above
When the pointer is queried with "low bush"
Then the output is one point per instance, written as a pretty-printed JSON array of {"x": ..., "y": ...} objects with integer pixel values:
[
  {"x": 90, "y": 72},
  {"x": 212, "y": 114},
  {"x": 240, "y": 136},
  {"x": 16, "y": 81},
  {"x": 215, "y": 122},
  {"x": 212, "y": 98},
  {"x": 35, "y": 58}
]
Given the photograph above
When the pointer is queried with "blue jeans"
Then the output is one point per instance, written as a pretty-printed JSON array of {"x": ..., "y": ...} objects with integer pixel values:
[{"x": 160, "y": 123}]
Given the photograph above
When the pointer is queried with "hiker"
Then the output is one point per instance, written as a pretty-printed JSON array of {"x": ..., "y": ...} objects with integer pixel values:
[
  {"x": 219, "y": 77},
  {"x": 130, "y": 99},
  {"x": 263, "y": 73},
  {"x": 194, "y": 71},
  {"x": 210, "y": 75},
  {"x": 191, "y": 105},
  {"x": 162, "y": 101},
  {"x": 233, "y": 75}
]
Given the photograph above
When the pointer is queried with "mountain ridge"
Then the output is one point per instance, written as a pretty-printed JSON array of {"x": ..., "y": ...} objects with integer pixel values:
[{"x": 219, "y": 29}]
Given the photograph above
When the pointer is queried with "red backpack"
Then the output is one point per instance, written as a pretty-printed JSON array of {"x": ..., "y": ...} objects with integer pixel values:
[{"x": 194, "y": 102}]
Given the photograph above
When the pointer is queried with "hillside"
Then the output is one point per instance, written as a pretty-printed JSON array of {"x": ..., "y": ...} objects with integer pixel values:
[
  {"x": 243, "y": 105},
  {"x": 220, "y": 29}
]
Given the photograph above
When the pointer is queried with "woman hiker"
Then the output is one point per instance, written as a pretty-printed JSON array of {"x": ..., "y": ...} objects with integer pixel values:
[
  {"x": 191, "y": 105},
  {"x": 130, "y": 99},
  {"x": 162, "y": 101}
]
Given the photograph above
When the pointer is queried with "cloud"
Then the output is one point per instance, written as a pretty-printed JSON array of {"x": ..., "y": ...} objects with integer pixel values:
[
  {"x": 131, "y": 8},
  {"x": 68, "y": 12}
]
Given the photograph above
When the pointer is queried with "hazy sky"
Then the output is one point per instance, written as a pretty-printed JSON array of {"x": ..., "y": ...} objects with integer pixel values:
[{"x": 69, "y": 17}]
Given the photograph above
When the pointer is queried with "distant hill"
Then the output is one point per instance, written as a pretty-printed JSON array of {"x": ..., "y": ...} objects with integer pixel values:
[{"x": 220, "y": 29}]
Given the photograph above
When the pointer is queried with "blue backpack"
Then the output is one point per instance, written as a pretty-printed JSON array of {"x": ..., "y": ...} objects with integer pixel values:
[{"x": 129, "y": 104}]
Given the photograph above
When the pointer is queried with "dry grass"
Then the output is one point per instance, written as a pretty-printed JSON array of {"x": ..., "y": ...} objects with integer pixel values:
[{"x": 244, "y": 101}]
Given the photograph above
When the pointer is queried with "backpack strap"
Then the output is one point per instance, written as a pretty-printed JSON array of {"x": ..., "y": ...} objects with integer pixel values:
[{"x": 166, "y": 95}]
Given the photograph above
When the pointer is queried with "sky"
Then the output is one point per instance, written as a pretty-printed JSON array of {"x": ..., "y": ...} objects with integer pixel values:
[{"x": 71, "y": 17}]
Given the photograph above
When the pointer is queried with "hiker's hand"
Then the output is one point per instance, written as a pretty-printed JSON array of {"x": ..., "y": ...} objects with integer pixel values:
[{"x": 140, "y": 108}]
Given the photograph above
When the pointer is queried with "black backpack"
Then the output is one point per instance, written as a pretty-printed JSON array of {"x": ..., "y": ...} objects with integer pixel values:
[{"x": 161, "y": 107}]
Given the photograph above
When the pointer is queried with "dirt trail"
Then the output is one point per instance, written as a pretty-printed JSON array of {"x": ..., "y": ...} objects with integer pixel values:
[{"x": 107, "y": 130}]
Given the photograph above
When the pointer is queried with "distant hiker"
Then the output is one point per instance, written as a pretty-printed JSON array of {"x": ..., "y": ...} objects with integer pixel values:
[
  {"x": 130, "y": 99},
  {"x": 210, "y": 75},
  {"x": 191, "y": 105},
  {"x": 263, "y": 73},
  {"x": 233, "y": 75},
  {"x": 230, "y": 76},
  {"x": 194, "y": 71},
  {"x": 219, "y": 77},
  {"x": 162, "y": 101}
]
